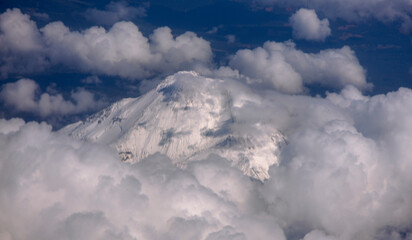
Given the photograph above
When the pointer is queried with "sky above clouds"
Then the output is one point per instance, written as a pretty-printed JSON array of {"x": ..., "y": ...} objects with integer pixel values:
[{"x": 334, "y": 77}]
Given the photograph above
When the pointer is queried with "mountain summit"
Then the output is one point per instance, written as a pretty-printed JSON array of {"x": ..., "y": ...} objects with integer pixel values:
[{"x": 186, "y": 117}]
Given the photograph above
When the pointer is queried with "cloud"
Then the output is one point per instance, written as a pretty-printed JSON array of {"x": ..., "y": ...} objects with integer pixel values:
[
  {"x": 346, "y": 36},
  {"x": 348, "y": 155},
  {"x": 124, "y": 51},
  {"x": 269, "y": 69},
  {"x": 230, "y": 38},
  {"x": 307, "y": 25},
  {"x": 114, "y": 12},
  {"x": 41, "y": 15},
  {"x": 83, "y": 191},
  {"x": 92, "y": 80},
  {"x": 214, "y": 29},
  {"x": 21, "y": 45},
  {"x": 12, "y": 125},
  {"x": 283, "y": 67},
  {"x": 354, "y": 11},
  {"x": 318, "y": 235},
  {"x": 23, "y": 96},
  {"x": 186, "y": 51},
  {"x": 120, "y": 51}
]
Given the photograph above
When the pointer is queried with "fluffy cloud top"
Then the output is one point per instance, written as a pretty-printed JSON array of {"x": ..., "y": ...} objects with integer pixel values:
[
  {"x": 22, "y": 96},
  {"x": 283, "y": 67},
  {"x": 307, "y": 25},
  {"x": 347, "y": 161},
  {"x": 120, "y": 51},
  {"x": 354, "y": 10},
  {"x": 82, "y": 191},
  {"x": 21, "y": 45}
]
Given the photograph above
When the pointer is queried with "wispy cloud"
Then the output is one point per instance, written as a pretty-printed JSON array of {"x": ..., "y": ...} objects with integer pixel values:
[{"x": 115, "y": 12}]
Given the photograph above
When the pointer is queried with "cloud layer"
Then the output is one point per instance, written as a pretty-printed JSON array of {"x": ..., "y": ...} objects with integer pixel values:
[
  {"x": 120, "y": 51},
  {"x": 307, "y": 25},
  {"x": 347, "y": 161}
]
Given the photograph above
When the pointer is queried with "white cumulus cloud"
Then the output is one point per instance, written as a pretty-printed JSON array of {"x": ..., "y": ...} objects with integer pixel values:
[
  {"x": 283, "y": 67},
  {"x": 21, "y": 45},
  {"x": 24, "y": 96},
  {"x": 307, "y": 25},
  {"x": 120, "y": 51}
]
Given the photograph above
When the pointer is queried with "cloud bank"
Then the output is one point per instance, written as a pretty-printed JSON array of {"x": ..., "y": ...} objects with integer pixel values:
[
  {"x": 344, "y": 174},
  {"x": 120, "y": 51},
  {"x": 23, "y": 96},
  {"x": 307, "y": 25}
]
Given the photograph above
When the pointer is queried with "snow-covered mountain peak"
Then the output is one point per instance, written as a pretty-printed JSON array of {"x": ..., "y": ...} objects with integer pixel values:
[{"x": 185, "y": 117}]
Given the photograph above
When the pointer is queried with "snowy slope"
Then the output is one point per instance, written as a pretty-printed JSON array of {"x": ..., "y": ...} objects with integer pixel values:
[{"x": 186, "y": 117}]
